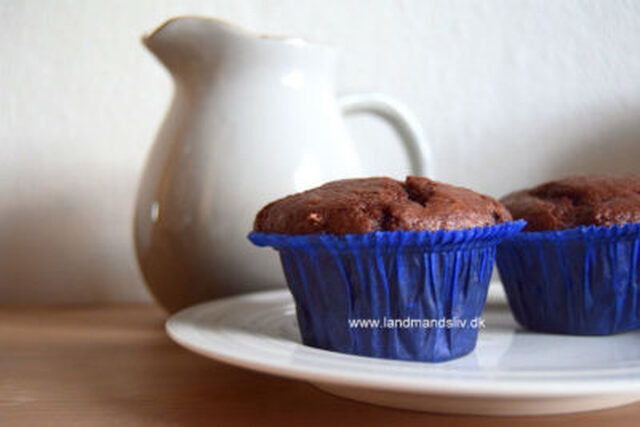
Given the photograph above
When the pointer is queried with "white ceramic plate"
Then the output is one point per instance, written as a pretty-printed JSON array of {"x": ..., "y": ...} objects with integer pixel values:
[{"x": 511, "y": 371}]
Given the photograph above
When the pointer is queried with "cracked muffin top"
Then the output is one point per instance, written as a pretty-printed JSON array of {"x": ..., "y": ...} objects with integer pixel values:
[
  {"x": 576, "y": 201},
  {"x": 380, "y": 204}
]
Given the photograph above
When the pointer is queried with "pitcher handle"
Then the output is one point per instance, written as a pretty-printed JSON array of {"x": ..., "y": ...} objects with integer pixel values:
[{"x": 403, "y": 121}]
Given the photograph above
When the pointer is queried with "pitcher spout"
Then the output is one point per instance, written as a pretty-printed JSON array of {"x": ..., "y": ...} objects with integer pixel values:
[
  {"x": 183, "y": 43},
  {"x": 197, "y": 47}
]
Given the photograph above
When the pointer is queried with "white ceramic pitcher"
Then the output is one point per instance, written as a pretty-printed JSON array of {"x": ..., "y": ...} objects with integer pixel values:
[{"x": 253, "y": 119}]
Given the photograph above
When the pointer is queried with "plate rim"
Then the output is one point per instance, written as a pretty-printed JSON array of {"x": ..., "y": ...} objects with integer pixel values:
[{"x": 479, "y": 387}]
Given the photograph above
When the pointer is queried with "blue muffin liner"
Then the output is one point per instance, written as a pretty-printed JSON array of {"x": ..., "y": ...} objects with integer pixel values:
[
  {"x": 581, "y": 281},
  {"x": 424, "y": 277}
]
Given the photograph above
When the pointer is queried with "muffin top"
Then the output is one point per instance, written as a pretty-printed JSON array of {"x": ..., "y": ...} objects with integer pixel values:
[
  {"x": 576, "y": 201},
  {"x": 380, "y": 204}
]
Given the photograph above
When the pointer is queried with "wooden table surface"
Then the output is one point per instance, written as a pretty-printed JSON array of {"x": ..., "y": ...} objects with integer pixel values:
[{"x": 114, "y": 365}]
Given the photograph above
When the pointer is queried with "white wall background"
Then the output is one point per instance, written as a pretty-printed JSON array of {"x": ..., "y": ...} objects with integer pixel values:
[{"x": 510, "y": 93}]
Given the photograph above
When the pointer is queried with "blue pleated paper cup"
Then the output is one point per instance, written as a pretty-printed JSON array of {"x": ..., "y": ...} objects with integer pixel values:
[
  {"x": 407, "y": 295},
  {"x": 581, "y": 281}
]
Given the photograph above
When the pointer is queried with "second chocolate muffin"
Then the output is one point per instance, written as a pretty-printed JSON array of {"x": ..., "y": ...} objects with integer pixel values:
[{"x": 575, "y": 269}]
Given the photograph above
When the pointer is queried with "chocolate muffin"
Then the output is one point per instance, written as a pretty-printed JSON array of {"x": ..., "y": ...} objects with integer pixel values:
[
  {"x": 575, "y": 270},
  {"x": 380, "y": 204},
  {"x": 580, "y": 200},
  {"x": 376, "y": 248}
]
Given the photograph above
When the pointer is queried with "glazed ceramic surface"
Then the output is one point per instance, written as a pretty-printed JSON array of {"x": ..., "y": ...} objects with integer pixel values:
[
  {"x": 510, "y": 372},
  {"x": 253, "y": 119}
]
